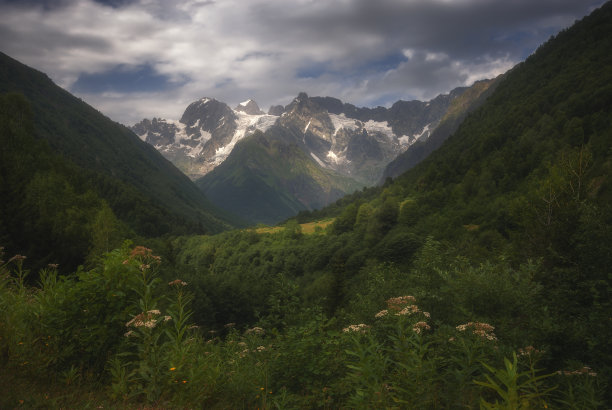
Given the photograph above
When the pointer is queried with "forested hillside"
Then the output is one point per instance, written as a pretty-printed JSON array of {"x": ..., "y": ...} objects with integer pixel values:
[
  {"x": 480, "y": 278},
  {"x": 63, "y": 163}
]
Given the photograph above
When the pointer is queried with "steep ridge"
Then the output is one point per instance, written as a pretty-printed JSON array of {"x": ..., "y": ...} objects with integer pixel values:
[{"x": 459, "y": 108}]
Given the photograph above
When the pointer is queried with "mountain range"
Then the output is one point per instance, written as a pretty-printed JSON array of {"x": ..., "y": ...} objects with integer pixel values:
[{"x": 341, "y": 147}]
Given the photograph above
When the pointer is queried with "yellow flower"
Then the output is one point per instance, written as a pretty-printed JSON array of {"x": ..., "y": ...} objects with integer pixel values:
[{"x": 172, "y": 369}]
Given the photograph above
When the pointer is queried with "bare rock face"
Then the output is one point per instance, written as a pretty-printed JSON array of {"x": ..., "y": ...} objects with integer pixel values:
[
  {"x": 276, "y": 110},
  {"x": 156, "y": 132}
]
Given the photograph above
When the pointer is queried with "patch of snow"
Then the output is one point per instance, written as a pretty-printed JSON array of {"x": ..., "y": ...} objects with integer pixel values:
[
  {"x": 321, "y": 163},
  {"x": 307, "y": 125},
  {"x": 379, "y": 127},
  {"x": 423, "y": 132},
  {"x": 180, "y": 130},
  {"x": 340, "y": 121},
  {"x": 339, "y": 158},
  {"x": 246, "y": 123},
  {"x": 204, "y": 101},
  {"x": 205, "y": 136},
  {"x": 245, "y": 103},
  {"x": 197, "y": 123},
  {"x": 405, "y": 140},
  {"x": 143, "y": 136}
]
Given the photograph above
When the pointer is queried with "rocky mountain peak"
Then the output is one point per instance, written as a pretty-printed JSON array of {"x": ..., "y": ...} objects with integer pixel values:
[
  {"x": 276, "y": 110},
  {"x": 209, "y": 112},
  {"x": 249, "y": 107}
]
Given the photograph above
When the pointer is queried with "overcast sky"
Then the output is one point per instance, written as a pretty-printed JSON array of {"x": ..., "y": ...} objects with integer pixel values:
[{"x": 135, "y": 59}]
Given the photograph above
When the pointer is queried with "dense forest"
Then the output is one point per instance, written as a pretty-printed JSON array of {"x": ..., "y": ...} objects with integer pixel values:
[{"x": 481, "y": 278}]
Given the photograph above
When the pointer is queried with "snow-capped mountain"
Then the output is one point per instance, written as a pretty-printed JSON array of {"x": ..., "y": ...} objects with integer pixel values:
[
  {"x": 360, "y": 142},
  {"x": 205, "y": 135},
  {"x": 355, "y": 142}
]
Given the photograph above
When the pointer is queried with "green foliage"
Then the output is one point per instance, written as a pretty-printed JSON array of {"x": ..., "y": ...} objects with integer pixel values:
[{"x": 517, "y": 390}]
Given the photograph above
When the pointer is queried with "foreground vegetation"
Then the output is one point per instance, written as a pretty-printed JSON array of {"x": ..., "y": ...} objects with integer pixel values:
[{"x": 124, "y": 335}]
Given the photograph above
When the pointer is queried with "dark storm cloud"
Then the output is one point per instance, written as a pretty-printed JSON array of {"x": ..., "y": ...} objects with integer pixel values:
[{"x": 363, "y": 51}]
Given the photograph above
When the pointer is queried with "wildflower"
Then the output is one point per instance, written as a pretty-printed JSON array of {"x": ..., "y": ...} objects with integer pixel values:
[
  {"x": 177, "y": 282},
  {"x": 408, "y": 310},
  {"x": 129, "y": 333},
  {"x": 361, "y": 328},
  {"x": 261, "y": 348},
  {"x": 256, "y": 331},
  {"x": 140, "y": 251},
  {"x": 228, "y": 325},
  {"x": 17, "y": 258},
  {"x": 399, "y": 302},
  {"x": 167, "y": 318},
  {"x": 53, "y": 265},
  {"x": 528, "y": 351},
  {"x": 382, "y": 313},
  {"x": 184, "y": 381},
  {"x": 145, "y": 319},
  {"x": 144, "y": 267},
  {"x": 483, "y": 330},
  {"x": 172, "y": 369},
  {"x": 420, "y": 326}
]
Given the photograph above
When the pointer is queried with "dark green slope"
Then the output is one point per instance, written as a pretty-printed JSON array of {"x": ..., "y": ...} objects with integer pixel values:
[
  {"x": 267, "y": 179},
  {"x": 527, "y": 178},
  {"x": 555, "y": 103},
  {"x": 74, "y": 184},
  {"x": 117, "y": 158}
]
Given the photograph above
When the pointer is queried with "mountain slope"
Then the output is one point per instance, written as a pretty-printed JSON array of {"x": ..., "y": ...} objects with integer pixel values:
[
  {"x": 459, "y": 108},
  {"x": 143, "y": 189},
  {"x": 267, "y": 178}
]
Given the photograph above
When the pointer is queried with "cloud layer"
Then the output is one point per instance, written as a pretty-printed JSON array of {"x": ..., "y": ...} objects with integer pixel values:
[{"x": 142, "y": 58}]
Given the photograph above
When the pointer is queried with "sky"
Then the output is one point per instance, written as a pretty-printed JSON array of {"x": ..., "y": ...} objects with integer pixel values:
[{"x": 135, "y": 59}]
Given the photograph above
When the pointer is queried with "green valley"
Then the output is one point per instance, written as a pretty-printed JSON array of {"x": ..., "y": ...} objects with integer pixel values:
[{"x": 479, "y": 278}]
